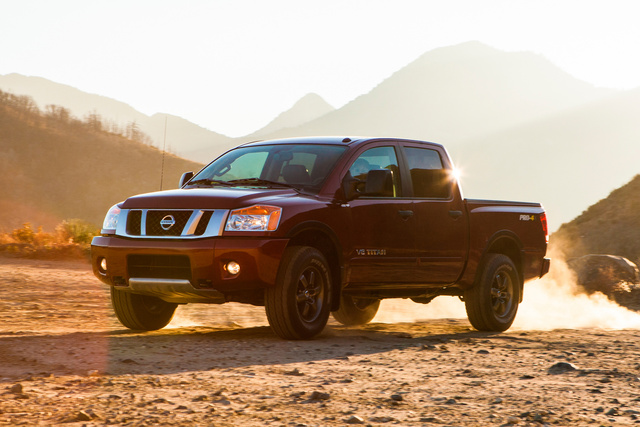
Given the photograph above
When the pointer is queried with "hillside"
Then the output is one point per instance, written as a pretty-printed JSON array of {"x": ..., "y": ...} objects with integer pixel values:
[
  {"x": 611, "y": 226},
  {"x": 182, "y": 136},
  {"x": 55, "y": 167}
]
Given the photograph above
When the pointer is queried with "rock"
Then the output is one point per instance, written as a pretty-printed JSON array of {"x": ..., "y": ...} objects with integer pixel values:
[
  {"x": 16, "y": 388},
  {"x": 605, "y": 273},
  {"x": 354, "y": 419},
  {"x": 201, "y": 398},
  {"x": 432, "y": 420},
  {"x": 561, "y": 368},
  {"x": 397, "y": 397},
  {"x": 295, "y": 373},
  {"x": 318, "y": 395},
  {"x": 83, "y": 416},
  {"x": 612, "y": 412},
  {"x": 382, "y": 419}
]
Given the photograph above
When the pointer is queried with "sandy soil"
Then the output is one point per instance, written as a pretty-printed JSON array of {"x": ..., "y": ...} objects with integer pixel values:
[{"x": 64, "y": 358}]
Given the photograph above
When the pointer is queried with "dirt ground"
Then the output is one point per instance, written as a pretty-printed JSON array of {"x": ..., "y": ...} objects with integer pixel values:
[{"x": 65, "y": 359}]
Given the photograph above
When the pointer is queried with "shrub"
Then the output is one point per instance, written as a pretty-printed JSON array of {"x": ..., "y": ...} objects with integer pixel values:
[
  {"x": 76, "y": 231},
  {"x": 24, "y": 234},
  {"x": 71, "y": 239}
]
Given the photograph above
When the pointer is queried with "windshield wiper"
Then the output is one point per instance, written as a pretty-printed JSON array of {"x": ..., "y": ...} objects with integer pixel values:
[
  {"x": 208, "y": 181},
  {"x": 259, "y": 181}
]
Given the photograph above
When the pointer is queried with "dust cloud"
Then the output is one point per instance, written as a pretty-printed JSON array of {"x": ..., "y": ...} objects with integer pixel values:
[
  {"x": 553, "y": 302},
  {"x": 229, "y": 315}
]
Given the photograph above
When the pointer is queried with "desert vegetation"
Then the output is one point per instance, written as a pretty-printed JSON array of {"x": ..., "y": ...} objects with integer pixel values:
[{"x": 70, "y": 240}]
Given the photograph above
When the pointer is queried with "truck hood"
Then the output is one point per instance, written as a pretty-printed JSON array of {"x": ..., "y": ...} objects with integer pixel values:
[{"x": 206, "y": 198}]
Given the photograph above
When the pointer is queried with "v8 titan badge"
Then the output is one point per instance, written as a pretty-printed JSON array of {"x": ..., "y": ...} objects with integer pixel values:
[{"x": 371, "y": 252}]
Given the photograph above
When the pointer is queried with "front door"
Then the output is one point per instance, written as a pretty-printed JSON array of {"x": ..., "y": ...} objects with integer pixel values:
[{"x": 382, "y": 237}]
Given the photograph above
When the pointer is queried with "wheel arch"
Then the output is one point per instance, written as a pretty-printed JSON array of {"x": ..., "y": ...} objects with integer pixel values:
[
  {"x": 320, "y": 236},
  {"x": 508, "y": 244}
]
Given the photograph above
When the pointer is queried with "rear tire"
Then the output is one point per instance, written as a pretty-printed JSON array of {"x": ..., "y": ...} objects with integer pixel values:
[
  {"x": 492, "y": 302},
  {"x": 356, "y": 311},
  {"x": 141, "y": 312},
  {"x": 298, "y": 305}
]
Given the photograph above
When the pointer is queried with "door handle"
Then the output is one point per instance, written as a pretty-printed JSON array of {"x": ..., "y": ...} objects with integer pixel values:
[
  {"x": 455, "y": 214},
  {"x": 405, "y": 214}
]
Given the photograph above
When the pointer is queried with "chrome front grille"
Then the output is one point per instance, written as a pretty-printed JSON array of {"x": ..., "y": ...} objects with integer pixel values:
[
  {"x": 171, "y": 223},
  {"x": 166, "y": 223}
]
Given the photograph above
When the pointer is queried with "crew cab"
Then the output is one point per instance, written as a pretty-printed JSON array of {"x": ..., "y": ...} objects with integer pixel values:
[{"x": 309, "y": 227}]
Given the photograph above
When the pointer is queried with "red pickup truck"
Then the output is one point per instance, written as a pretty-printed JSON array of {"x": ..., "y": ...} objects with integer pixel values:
[{"x": 311, "y": 226}]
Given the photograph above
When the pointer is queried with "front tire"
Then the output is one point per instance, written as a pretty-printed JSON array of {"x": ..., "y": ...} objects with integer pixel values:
[
  {"x": 141, "y": 312},
  {"x": 356, "y": 311},
  {"x": 298, "y": 305},
  {"x": 493, "y": 301}
]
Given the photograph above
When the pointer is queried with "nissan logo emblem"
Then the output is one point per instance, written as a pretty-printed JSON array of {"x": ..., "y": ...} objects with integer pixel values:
[{"x": 167, "y": 222}]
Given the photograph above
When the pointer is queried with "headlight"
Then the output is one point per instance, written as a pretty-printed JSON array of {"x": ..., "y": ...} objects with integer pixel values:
[
  {"x": 255, "y": 218},
  {"x": 111, "y": 220}
]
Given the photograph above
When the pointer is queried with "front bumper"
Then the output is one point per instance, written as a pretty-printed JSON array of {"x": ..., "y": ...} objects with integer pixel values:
[{"x": 201, "y": 276}]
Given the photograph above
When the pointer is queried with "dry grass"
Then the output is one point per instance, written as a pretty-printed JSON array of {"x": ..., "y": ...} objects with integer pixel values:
[{"x": 70, "y": 240}]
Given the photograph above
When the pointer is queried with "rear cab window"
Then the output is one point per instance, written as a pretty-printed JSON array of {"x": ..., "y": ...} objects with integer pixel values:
[{"x": 429, "y": 176}]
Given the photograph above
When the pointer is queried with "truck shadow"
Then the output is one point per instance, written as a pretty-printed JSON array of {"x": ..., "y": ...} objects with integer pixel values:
[{"x": 168, "y": 351}]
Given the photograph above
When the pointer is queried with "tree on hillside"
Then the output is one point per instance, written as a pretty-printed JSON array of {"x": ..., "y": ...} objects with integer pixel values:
[
  {"x": 56, "y": 113},
  {"x": 94, "y": 121}
]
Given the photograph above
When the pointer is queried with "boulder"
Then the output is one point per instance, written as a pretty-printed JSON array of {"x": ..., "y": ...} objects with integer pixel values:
[{"x": 608, "y": 274}]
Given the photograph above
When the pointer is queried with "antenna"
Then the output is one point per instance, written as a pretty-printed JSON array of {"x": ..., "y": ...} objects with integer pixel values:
[{"x": 164, "y": 145}]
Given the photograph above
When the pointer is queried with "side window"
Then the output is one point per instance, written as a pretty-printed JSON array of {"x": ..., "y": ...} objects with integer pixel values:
[
  {"x": 429, "y": 178},
  {"x": 371, "y": 172}
]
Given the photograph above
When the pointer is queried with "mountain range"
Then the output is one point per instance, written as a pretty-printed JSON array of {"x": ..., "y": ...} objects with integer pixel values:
[{"x": 518, "y": 126}]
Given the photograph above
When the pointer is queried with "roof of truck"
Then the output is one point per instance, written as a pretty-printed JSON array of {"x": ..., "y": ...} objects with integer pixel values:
[{"x": 332, "y": 140}]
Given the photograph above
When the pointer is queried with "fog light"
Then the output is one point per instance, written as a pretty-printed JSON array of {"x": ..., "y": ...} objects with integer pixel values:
[
  {"x": 232, "y": 268},
  {"x": 103, "y": 265}
]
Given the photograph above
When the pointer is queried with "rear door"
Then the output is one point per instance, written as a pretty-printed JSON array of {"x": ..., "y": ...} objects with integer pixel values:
[{"x": 441, "y": 221}]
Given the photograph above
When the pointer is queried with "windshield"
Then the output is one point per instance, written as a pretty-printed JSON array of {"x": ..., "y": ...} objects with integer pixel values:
[{"x": 301, "y": 166}]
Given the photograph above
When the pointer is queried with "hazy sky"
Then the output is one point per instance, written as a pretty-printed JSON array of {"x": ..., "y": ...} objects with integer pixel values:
[{"x": 232, "y": 66}]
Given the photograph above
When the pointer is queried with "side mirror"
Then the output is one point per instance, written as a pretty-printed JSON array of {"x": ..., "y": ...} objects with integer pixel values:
[
  {"x": 379, "y": 183},
  {"x": 350, "y": 187},
  {"x": 185, "y": 178}
]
